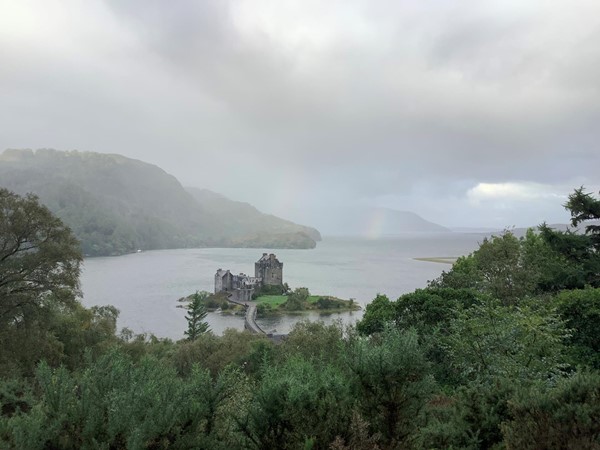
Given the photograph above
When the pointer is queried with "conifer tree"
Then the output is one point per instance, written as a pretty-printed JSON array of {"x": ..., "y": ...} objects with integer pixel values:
[
  {"x": 583, "y": 207},
  {"x": 195, "y": 315}
]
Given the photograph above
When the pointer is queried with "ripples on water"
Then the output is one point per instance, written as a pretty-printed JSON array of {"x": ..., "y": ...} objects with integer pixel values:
[{"x": 145, "y": 286}]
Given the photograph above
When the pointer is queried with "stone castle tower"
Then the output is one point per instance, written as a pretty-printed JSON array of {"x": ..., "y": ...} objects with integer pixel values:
[{"x": 269, "y": 269}]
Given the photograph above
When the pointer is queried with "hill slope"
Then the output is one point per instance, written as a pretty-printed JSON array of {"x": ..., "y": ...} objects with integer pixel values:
[
  {"x": 239, "y": 218},
  {"x": 393, "y": 221},
  {"x": 116, "y": 205}
]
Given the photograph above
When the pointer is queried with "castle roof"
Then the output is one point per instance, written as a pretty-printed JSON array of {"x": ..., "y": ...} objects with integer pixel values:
[
  {"x": 221, "y": 273},
  {"x": 267, "y": 257}
]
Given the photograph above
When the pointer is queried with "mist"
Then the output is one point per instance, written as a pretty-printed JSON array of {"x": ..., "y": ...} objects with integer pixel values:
[{"x": 479, "y": 114}]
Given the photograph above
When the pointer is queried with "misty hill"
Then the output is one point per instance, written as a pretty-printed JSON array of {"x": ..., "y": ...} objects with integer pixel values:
[
  {"x": 116, "y": 205},
  {"x": 391, "y": 221},
  {"x": 375, "y": 222},
  {"x": 239, "y": 218}
]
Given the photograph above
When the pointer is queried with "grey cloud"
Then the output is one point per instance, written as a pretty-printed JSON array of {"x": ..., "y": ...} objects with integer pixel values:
[{"x": 400, "y": 100}]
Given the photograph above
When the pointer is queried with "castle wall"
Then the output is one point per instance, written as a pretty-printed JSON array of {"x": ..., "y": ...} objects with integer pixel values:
[
  {"x": 274, "y": 276},
  {"x": 245, "y": 295}
]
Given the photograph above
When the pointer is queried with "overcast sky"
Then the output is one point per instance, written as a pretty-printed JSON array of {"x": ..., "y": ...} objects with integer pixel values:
[{"x": 472, "y": 113}]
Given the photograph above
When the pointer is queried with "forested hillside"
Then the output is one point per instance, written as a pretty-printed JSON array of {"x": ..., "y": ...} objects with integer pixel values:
[
  {"x": 239, "y": 218},
  {"x": 117, "y": 205}
]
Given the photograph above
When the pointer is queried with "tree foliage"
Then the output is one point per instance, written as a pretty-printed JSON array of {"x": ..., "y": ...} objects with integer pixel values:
[
  {"x": 584, "y": 207},
  {"x": 39, "y": 269},
  {"x": 565, "y": 416},
  {"x": 581, "y": 252},
  {"x": 296, "y": 300},
  {"x": 580, "y": 309},
  {"x": 378, "y": 313},
  {"x": 122, "y": 405},
  {"x": 297, "y": 402},
  {"x": 393, "y": 380},
  {"x": 491, "y": 341},
  {"x": 511, "y": 269},
  {"x": 39, "y": 258}
]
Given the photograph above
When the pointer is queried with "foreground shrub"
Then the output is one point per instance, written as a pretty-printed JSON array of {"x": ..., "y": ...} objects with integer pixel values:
[
  {"x": 564, "y": 417},
  {"x": 393, "y": 382},
  {"x": 298, "y": 403},
  {"x": 118, "y": 404}
]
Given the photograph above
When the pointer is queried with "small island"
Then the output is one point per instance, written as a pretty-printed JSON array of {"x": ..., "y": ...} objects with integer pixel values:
[
  {"x": 266, "y": 294},
  {"x": 267, "y": 289},
  {"x": 267, "y": 304},
  {"x": 263, "y": 294}
]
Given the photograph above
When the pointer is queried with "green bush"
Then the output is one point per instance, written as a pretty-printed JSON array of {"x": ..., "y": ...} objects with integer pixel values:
[
  {"x": 580, "y": 309},
  {"x": 263, "y": 309},
  {"x": 118, "y": 404},
  {"x": 563, "y": 417},
  {"x": 296, "y": 301},
  {"x": 297, "y": 402},
  {"x": 392, "y": 382},
  {"x": 273, "y": 289},
  {"x": 469, "y": 418}
]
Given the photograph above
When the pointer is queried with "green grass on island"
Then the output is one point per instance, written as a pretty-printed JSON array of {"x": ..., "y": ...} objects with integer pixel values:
[
  {"x": 277, "y": 300},
  {"x": 271, "y": 300},
  {"x": 301, "y": 300}
]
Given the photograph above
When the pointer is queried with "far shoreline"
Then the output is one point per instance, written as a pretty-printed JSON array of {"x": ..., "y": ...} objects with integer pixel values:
[{"x": 438, "y": 259}]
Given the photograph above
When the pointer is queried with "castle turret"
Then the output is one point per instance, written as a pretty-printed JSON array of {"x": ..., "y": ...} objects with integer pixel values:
[
  {"x": 223, "y": 281},
  {"x": 269, "y": 269}
]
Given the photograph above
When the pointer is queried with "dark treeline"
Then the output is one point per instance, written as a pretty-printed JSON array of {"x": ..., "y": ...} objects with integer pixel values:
[{"x": 500, "y": 352}]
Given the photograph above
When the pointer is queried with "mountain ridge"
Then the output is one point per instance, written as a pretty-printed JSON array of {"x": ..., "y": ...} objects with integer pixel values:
[{"x": 117, "y": 205}]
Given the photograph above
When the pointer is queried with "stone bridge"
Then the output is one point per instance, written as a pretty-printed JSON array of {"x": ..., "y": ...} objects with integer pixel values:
[{"x": 250, "y": 318}]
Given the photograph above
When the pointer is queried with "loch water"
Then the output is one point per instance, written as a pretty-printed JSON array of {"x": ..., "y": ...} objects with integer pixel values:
[{"x": 145, "y": 286}]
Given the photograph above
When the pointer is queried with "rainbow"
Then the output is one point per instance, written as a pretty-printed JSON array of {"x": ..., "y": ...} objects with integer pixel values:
[{"x": 374, "y": 223}]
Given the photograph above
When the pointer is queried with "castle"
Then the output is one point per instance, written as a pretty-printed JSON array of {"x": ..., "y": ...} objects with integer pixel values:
[{"x": 268, "y": 271}]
